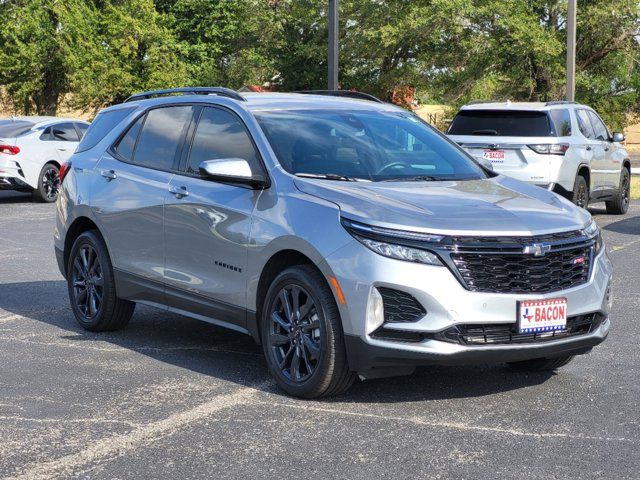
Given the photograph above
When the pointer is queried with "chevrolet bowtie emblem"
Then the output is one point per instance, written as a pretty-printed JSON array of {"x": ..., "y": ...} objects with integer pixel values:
[{"x": 537, "y": 249}]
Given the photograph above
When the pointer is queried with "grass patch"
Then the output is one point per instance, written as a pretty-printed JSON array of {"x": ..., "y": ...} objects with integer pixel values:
[{"x": 635, "y": 187}]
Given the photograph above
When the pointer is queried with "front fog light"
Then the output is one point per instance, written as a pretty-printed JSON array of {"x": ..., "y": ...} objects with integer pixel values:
[
  {"x": 400, "y": 252},
  {"x": 375, "y": 310}
]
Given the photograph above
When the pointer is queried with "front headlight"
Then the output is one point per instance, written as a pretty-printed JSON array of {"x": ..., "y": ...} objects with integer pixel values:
[
  {"x": 388, "y": 243},
  {"x": 593, "y": 231}
]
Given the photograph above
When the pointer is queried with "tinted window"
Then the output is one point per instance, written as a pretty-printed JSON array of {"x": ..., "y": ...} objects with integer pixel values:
[
  {"x": 511, "y": 123},
  {"x": 82, "y": 127},
  {"x": 161, "y": 135},
  {"x": 127, "y": 144},
  {"x": 220, "y": 134},
  {"x": 561, "y": 122},
  {"x": 101, "y": 126},
  {"x": 63, "y": 132},
  {"x": 11, "y": 128},
  {"x": 584, "y": 124},
  {"x": 599, "y": 128},
  {"x": 368, "y": 145}
]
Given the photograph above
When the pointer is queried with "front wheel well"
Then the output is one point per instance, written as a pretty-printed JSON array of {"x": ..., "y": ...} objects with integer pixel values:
[
  {"x": 279, "y": 262},
  {"x": 53, "y": 162},
  {"x": 79, "y": 226},
  {"x": 627, "y": 164}
]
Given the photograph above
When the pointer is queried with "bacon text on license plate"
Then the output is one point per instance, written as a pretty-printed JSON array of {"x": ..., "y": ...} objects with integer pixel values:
[
  {"x": 493, "y": 155},
  {"x": 542, "y": 315}
]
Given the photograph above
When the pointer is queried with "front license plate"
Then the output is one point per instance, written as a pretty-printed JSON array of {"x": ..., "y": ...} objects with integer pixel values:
[
  {"x": 542, "y": 315},
  {"x": 493, "y": 155}
]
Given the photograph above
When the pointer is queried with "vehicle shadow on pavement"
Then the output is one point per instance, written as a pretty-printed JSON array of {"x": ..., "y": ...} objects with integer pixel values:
[
  {"x": 7, "y": 197},
  {"x": 231, "y": 356}
]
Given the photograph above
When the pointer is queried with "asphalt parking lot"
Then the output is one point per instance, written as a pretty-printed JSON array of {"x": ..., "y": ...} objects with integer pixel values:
[{"x": 172, "y": 397}]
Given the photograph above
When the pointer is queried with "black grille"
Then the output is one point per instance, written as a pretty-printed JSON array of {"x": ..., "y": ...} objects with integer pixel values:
[
  {"x": 471, "y": 334},
  {"x": 400, "y": 306},
  {"x": 499, "y": 264}
]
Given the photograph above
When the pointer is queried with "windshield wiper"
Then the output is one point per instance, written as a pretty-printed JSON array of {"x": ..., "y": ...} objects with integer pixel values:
[
  {"x": 331, "y": 176},
  {"x": 487, "y": 131},
  {"x": 416, "y": 178}
]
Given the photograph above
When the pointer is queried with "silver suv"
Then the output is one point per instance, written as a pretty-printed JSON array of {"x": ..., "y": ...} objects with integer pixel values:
[
  {"x": 564, "y": 147},
  {"x": 344, "y": 235}
]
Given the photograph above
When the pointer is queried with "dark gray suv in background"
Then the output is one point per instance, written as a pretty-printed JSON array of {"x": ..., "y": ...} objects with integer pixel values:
[{"x": 345, "y": 235}]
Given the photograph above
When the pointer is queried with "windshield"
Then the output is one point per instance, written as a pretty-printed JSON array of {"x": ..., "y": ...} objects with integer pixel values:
[
  {"x": 363, "y": 145},
  {"x": 507, "y": 123}
]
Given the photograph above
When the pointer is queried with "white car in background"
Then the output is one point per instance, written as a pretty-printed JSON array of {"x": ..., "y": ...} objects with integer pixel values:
[
  {"x": 562, "y": 146},
  {"x": 32, "y": 150}
]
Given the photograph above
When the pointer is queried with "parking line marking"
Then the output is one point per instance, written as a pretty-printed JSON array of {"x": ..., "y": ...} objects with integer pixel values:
[
  {"x": 454, "y": 425},
  {"x": 116, "y": 446}
]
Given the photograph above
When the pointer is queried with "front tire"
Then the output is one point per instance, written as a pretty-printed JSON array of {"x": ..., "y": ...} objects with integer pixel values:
[
  {"x": 580, "y": 195},
  {"x": 48, "y": 184},
  {"x": 302, "y": 335},
  {"x": 91, "y": 286},
  {"x": 541, "y": 364},
  {"x": 620, "y": 204}
]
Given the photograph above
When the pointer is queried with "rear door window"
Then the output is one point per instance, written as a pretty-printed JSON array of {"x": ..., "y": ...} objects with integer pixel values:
[
  {"x": 599, "y": 128},
  {"x": 584, "y": 124},
  {"x": 63, "y": 132},
  {"x": 160, "y": 140},
  {"x": 503, "y": 123}
]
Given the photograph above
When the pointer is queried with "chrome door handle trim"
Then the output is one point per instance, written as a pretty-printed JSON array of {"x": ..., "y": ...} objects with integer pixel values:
[
  {"x": 179, "y": 192},
  {"x": 108, "y": 174}
]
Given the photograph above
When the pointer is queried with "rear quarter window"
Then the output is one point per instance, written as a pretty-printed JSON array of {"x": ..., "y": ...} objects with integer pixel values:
[
  {"x": 101, "y": 126},
  {"x": 561, "y": 120},
  {"x": 502, "y": 123}
]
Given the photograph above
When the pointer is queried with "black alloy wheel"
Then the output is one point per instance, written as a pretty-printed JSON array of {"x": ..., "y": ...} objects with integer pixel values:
[
  {"x": 87, "y": 281},
  {"x": 294, "y": 337}
]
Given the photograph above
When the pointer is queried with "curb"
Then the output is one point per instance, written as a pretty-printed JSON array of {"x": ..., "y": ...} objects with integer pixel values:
[{"x": 635, "y": 171}]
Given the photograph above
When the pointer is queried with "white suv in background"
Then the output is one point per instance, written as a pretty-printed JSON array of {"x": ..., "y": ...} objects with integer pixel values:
[
  {"x": 562, "y": 146},
  {"x": 32, "y": 150}
]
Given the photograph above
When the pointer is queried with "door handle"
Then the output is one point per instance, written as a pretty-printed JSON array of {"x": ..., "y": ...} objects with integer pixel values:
[
  {"x": 108, "y": 174},
  {"x": 179, "y": 192},
  {"x": 62, "y": 149}
]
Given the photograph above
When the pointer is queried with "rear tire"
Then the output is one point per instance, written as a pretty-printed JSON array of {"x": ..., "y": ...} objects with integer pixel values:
[
  {"x": 541, "y": 364},
  {"x": 48, "y": 184},
  {"x": 580, "y": 195},
  {"x": 91, "y": 286},
  {"x": 302, "y": 335},
  {"x": 620, "y": 204}
]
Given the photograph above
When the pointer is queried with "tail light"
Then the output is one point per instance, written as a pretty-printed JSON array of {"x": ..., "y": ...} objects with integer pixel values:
[
  {"x": 64, "y": 169},
  {"x": 550, "y": 149},
  {"x": 9, "y": 149}
]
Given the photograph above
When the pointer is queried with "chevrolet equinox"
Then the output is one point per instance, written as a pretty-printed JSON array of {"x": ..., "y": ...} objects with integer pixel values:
[{"x": 345, "y": 235}]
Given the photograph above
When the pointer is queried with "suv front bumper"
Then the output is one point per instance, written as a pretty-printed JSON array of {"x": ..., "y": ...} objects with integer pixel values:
[{"x": 447, "y": 304}]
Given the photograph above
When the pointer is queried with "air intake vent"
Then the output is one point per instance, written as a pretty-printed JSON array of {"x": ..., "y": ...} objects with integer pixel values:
[{"x": 400, "y": 306}]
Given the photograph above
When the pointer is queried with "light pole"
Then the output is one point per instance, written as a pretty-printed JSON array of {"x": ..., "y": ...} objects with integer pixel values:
[
  {"x": 333, "y": 45},
  {"x": 571, "y": 51}
]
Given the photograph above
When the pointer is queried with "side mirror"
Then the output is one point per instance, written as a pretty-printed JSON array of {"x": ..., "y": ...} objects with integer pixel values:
[
  {"x": 618, "y": 137},
  {"x": 232, "y": 170}
]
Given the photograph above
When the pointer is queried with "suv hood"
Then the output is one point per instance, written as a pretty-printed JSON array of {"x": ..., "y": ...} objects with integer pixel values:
[{"x": 498, "y": 205}]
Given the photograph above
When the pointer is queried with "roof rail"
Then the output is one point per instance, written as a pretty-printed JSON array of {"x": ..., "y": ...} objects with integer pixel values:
[
  {"x": 560, "y": 102},
  {"x": 478, "y": 102},
  {"x": 342, "y": 93},
  {"x": 220, "y": 91}
]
